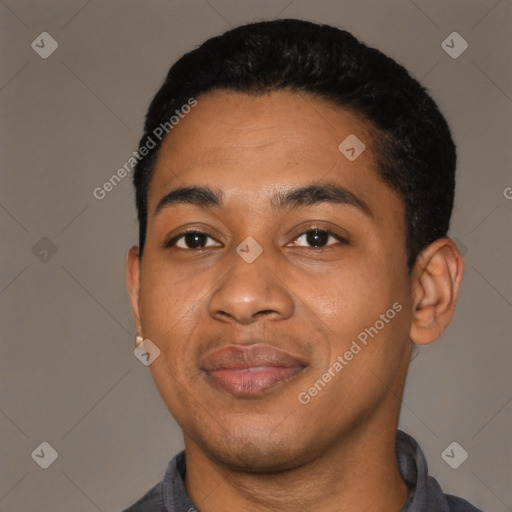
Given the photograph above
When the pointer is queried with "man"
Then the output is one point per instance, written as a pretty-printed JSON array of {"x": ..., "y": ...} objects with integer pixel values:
[{"x": 294, "y": 190}]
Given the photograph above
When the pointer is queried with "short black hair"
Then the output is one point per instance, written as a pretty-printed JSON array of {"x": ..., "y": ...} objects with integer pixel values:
[{"x": 415, "y": 153}]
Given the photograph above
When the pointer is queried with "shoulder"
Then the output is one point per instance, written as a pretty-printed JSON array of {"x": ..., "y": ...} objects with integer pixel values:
[
  {"x": 426, "y": 494},
  {"x": 169, "y": 495},
  {"x": 152, "y": 501},
  {"x": 459, "y": 505}
]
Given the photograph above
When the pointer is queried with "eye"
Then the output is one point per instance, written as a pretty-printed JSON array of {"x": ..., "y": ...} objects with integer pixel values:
[
  {"x": 318, "y": 238},
  {"x": 192, "y": 240}
]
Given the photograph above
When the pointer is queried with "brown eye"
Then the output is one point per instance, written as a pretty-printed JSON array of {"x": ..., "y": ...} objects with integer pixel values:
[
  {"x": 192, "y": 240},
  {"x": 317, "y": 238}
]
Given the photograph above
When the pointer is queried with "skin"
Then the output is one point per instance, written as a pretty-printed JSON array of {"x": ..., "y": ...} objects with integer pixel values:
[{"x": 271, "y": 452}]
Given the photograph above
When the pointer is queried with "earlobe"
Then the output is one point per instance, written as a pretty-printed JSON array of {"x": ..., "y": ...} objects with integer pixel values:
[
  {"x": 436, "y": 282},
  {"x": 133, "y": 284}
]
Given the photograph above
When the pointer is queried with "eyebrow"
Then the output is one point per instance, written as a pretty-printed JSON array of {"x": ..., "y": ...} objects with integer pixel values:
[{"x": 211, "y": 197}]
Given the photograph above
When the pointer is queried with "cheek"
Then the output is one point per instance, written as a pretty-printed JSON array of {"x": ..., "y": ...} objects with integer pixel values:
[
  {"x": 344, "y": 299},
  {"x": 170, "y": 310},
  {"x": 169, "y": 305},
  {"x": 358, "y": 301}
]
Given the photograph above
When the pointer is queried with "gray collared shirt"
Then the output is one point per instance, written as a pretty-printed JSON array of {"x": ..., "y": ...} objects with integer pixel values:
[{"x": 425, "y": 494}]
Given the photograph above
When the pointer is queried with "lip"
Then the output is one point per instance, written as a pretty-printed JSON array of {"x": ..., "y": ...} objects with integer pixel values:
[{"x": 246, "y": 371}]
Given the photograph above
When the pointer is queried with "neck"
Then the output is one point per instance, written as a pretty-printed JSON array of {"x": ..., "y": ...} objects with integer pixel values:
[{"x": 358, "y": 473}]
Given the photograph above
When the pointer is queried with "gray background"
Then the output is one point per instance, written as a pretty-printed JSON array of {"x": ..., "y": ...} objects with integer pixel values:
[{"x": 69, "y": 376}]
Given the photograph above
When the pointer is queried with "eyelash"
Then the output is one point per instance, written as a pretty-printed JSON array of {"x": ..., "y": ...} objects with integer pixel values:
[{"x": 174, "y": 240}]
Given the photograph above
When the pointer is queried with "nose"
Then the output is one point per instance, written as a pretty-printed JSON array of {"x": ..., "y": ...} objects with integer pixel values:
[{"x": 251, "y": 291}]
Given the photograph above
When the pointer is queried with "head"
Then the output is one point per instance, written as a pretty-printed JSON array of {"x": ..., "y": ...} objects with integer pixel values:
[
  {"x": 415, "y": 151},
  {"x": 344, "y": 247}
]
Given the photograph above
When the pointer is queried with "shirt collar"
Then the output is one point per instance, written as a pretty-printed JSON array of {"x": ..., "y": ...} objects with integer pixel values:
[{"x": 425, "y": 494}]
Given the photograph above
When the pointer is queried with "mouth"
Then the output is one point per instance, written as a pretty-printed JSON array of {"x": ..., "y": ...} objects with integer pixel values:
[{"x": 249, "y": 371}]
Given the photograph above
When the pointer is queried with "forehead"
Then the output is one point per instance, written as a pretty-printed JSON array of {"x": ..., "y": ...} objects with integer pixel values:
[{"x": 251, "y": 146}]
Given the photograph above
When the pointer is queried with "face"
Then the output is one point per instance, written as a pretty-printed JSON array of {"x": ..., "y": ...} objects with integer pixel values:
[{"x": 281, "y": 306}]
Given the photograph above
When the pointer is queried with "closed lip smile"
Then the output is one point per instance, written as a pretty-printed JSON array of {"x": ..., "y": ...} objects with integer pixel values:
[{"x": 250, "y": 370}]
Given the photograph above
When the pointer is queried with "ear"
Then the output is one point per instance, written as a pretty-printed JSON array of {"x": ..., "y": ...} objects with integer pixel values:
[
  {"x": 133, "y": 284},
  {"x": 437, "y": 275}
]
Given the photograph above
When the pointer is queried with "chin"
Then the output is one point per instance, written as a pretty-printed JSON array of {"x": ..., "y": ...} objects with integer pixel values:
[
  {"x": 255, "y": 459},
  {"x": 256, "y": 451}
]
